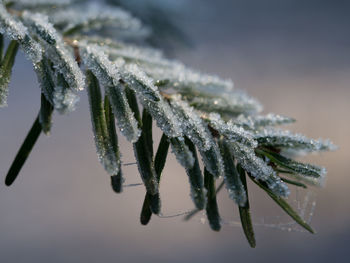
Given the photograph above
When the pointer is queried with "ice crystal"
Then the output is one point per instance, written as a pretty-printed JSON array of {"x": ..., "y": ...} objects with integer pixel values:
[
  {"x": 315, "y": 181},
  {"x": 201, "y": 90},
  {"x": 4, "y": 81},
  {"x": 96, "y": 60},
  {"x": 151, "y": 99},
  {"x": 5, "y": 71},
  {"x": 129, "y": 52},
  {"x": 105, "y": 151},
  {"x": 46, "y": 78},
  {"x": 192, "y": 125},
  {"x": 121, "y": 109},
  {"x": 197, "y": 131},
  {"x": 288, "y": 140},
  {"x": 171, "y": 73},
  {"x": 256, "y": 166},
  {"x": 212, "y": 160},
  {"x": 15, "y": 30},
  {"x": 179, "y": 76},
  {"x": 108, "y": 76},
  {"x": 60, "y": 82},
  {"x": 196, "y": 179},
  {"x": 229, "y": 103},
  {"x": 93, "y": 15},
  {"x": 55, "y": 88},
  {"x": 182, "y": 152},
  {"x": 64, "y": 99},
  {"x": 294, "y": 166},
  {"x": 231, "y": 131},
  {"x": 307, "y": 169},
  {"x": 258, "y": 121},
  {"x": 232, "y": 179},
  {"x": 56, "y": 49}
]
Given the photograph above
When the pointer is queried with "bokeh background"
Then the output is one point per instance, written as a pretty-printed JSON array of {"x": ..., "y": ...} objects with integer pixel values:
[{"x": 293, "y": 55}]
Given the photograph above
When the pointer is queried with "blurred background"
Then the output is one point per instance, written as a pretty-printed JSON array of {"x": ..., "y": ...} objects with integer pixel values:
[{"x": 293, "y": 55}]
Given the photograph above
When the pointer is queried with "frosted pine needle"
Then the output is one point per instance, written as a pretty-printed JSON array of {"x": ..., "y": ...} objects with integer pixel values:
[
  {"x": 231, "y": 131},
  {"x": 182, "y": 152},
  {"x": 179, "y": 77},
  {"x": 104, "y": 145},
  {"x": 288, "y": 140},
  {"x": 232, "y": 179},
  {"x": 108, "y": 76},
  {"x": 260, "y": 121},
  {"x": 15, "y": 30},
  {"x": 151, "y": 99},
  {"x": 56, "y": 49},
  {"x": 256, "y": 166},
  {"x": 197, "y": 131},
  {"x": 93, "y": 15},
  {"x": 192, "y": 125},
  {"x": 228, "y": 104}
]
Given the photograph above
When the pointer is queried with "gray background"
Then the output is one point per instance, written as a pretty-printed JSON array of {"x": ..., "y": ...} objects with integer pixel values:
[{"x": 291, "y": 55}]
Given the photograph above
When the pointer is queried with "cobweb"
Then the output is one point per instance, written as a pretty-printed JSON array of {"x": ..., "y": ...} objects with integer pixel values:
[{"x": 303, "y": 201}]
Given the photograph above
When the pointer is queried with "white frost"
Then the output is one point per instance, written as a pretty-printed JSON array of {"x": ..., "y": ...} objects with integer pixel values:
[
  {"x": 55, "y": 49},
  {"x": 15, "y": 30},
  {"x": 231, "y": 131},
  {"x": 256, "y": 166},
  {"x": 296, "y": 142},
  {"x": 108, "y": 75}
]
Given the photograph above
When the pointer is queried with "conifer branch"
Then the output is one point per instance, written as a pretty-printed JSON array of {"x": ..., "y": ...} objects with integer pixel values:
[{"x": 71, "y": 49}]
